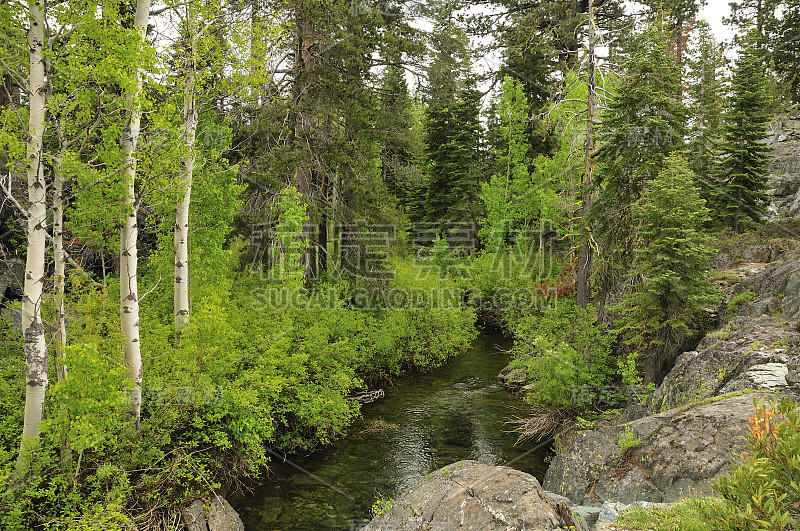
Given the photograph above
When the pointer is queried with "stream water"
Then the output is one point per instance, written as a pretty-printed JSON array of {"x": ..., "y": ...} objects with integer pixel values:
[{"x": 425, "y": 422}]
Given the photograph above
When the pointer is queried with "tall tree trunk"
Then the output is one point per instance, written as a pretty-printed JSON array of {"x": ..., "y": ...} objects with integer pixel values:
[
  {"x": 59, "y": 256},
  {"x": 32, "y": 328},
  {"x": 129, "y": 234},
  {"x": 584, "y": 255},
  {"x": 181, "y": 237}
]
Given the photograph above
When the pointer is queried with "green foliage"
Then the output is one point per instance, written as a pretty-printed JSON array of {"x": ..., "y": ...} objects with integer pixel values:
[
  {"x": 689, "y": 514},
  {"x": 643, "y": 124},
  {"x": 742, "y": 170},
  {"x": 764, "y": 488},
  {"x": 672, "y": 259},
  {"x": 737, "y": 301},
  {"x": 523, "y": 194},
  {"x": 629, "y": 440},
  {"x": 381, "y": 506},
  {"x": 566, "y": 357}
]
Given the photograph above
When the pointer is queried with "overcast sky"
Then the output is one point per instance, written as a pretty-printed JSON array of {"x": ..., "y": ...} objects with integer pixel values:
[{"x": 713, "y": 13}]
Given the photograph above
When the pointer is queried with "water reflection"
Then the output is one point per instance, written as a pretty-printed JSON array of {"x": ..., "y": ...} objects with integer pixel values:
[{"x": 425, "y": 422}]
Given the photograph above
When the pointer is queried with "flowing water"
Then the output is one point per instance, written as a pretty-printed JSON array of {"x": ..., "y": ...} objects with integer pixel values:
[{"x": 425, "y": 422}]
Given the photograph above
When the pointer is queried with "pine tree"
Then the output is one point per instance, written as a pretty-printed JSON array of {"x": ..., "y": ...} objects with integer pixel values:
[
  {"x": 644, "y": 122},
  {"x": 707, "y": 93},
  {"x": 785, "y": 32},
  {"x": 672, "y": 258},
  {"x": 452, "y": 130},
  {"x": 742, "y": 170},
  {"x": 401, "y": 146}
]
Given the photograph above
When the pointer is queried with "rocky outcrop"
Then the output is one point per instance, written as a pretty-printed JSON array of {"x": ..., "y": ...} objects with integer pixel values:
[
  {"x": 778, "y": 291},
  {"x": 468, "y": 495},
  {"x": 220, "y": 516},
  {"x": 784, "y": 168},
  {"x": 721, "y": 362},
  {"x": 679, "y": 451}
]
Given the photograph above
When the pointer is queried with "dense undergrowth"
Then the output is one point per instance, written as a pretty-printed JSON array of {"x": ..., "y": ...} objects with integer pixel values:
[{"x": 252, "y": 374}]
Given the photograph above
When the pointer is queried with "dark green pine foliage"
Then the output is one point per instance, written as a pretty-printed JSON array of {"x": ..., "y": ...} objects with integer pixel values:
[
  {"x": 672, "y": 258},
  {"x": 452, "y": 138},
  {"x": 742, "y": 170},
  {"x": 452, "y": 132},
  {"x": 707, "y": 95},
  {"x": 402, "y": 147},
  {"x": 644, "y": 123},
  {"x": 786, "y": 47}
]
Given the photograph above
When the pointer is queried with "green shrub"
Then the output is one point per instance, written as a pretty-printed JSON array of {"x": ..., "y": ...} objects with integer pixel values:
[
  {"x": 737, "y": 301},
  {"x": 566, "y": 357}
]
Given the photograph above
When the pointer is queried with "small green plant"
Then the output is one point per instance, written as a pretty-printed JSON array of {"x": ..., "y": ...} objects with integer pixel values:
[
  {"x": 382, "y": 506},
  {"x": 629, "y": 439},
  {"x": 738, "y": 300},
  {"x": 581, "y": 424},
  {"x": 754, "y": 346},
  {"x": 446, "y": 473},
  {"x": 781, "y": 342}
]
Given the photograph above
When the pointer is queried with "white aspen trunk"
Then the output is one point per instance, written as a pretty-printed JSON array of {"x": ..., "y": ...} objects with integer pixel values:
[
  {"x": 129, "y": 234},
  {"x": 585, "y": 253},
  {"x": 59, "y": 259},
  {"x": 32, "y": 328},
  {"x": 181, "y": 236}
]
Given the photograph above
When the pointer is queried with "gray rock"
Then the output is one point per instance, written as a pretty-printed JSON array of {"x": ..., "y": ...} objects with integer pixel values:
[
  {"x": 468, "y": 495},
  {"x": 793, "y": 373},
  {"x": 779, "y": 285},
  {"x": 512, "y": 378},
  {"x": 220, "y": 517},
  {"x": 223, "y": 517},
  {"x": 721, "y": 357},
  {"x": 767, "y": 376},
  {"x": 610, "y": 510},
  {"x": 194, "y": 518},
  {"x": 587, "y": 514},
  {"x": 681, "y": 450}
]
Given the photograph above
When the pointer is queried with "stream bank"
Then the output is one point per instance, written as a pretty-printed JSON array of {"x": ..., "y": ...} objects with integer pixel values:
[{"x": 425, "y": 421}]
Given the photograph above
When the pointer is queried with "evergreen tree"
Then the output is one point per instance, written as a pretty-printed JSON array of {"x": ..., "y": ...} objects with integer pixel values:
[
  {"x": 742, "y": 170},
  {"x": 707, "y": 93},
  {"x": 644, "y": 122},
  {"x": 785, "y": 40},
  {"x": 402, "y": 146},
  {"x": 452, "y": 130},
  {"x": 672, "y": 258}
]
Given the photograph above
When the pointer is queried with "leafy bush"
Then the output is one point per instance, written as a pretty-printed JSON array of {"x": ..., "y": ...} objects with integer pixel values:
[
  {"x": 566, "y": 357},
  {"x": 765, "y": 488}
]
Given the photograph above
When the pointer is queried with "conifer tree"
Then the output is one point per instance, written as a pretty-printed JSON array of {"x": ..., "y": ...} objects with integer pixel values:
[
  {"x": 452, "y": 130},
  {"x": 742, "y": 170},
  {"x": 644, "y": 122},
  {"x": 707, "y": 94},
  {"x": 672, "y": 258}
]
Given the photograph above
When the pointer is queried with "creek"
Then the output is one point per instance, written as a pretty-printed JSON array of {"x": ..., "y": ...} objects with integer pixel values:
[{"x": 426, "y": 421}]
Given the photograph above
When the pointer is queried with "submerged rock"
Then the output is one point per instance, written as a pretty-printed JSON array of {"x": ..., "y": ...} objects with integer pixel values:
[
  {"x": 468, "y": 495},
  {"x": 676, "y": 452}
]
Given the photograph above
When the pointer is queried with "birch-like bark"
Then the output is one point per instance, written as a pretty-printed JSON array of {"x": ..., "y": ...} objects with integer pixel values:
[
  {"x": 129, "y": 234},
  {"x": 181, "y": 236},
  {"x": 59, "y": 258},
  {"x": 32, "y": 329},
  {"x": 584, "y": 255}
]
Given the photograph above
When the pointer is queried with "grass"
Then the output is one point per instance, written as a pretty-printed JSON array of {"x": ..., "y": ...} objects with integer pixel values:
[{"x": 686, "y": 515}]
